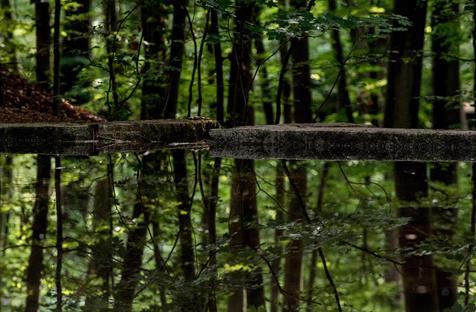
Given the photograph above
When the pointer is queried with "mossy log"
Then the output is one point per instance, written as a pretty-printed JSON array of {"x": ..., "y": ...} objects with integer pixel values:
[
  {"x": 343, "y": 142},
  {"x": 95, "y": 138}
]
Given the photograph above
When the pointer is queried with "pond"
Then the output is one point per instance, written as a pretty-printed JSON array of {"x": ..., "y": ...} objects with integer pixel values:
[{"x": 182, "y": 230}]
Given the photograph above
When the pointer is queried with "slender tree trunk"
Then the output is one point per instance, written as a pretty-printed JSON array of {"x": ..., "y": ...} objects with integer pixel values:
[
  {"x": 57, "y": 59},
  {"x": 43, "y": 37},
  {"x": 314, "y": 255},
  {"x": 278, "y": 233},
  {"x": 240, "y": 111},
  {"x": 101, "y": 261},
  {"x": 168, "y": 108},
  {"x": 265, "y": 83},
  {"x": 411, "y": 184},
  {"x": 153, "y": 86},
  {"x": 294, "y": 249},
  {"x": 302, "y": 113},
  {"x": 212, "y": 239},
  {"x": 6, "y": 180},
  {"x": 39, "y": 228},
  {"x": 110, "y": 29},
  {"x": 217, "y": 52},
  {"x": 243, "y": 210},
  {"x": 342, "y": 89},
  {"x": 446, "y": 108},
  {"x": 76, "y": 46},
  {"x": 59, "y": 235},
  {"x": 130, "y": 276}
]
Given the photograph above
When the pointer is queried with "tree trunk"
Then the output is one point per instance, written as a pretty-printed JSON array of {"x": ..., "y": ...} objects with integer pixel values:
[
  {"x": 294, "y": 249},
  {"x": 278, "y": 233},
  {"x": 212, "y": 202},
  {"x": 411, "y": 184},
  {"x": 153, "y": 86},
  {"x": 57, "y": 59},
  {"x": 314, "y": 256},
  {"x": 419, "y": 281},
  {"x": 446, "y": 109},
  {"x": 43, "y": 37},
  {"x": 168, "y": 107},
  {"x": 130, "y": 275},
  {"x": 39, "y": 228},
  {"x": 76, "y": 47},
  {"x": 110, "y": 25},
  {"x": 243, "y": 210},
  {"x": 342, "y": 89},
  {"x": 101, "y": 261},
  {"x": 265, "y": 83},
  {"x": 217, "y": 52},
  {"x": 302, "y": 114},
  {"x": 239, "y": 111}
]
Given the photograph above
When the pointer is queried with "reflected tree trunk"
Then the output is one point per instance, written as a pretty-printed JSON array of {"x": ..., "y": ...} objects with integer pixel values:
[
  {"x": 411, "y": 183},
  {"x": 59, "y": 235},
  {"x": 301, "y": 79},
  {"x": 278, "y": 233},
  {"x": 101, "y": 262},
  {"x": 39, "y": 228},
  {"x": 130, "y": 275},
  {"x": 243, "y": 210},
  {"x": 294, "y": 249},
  {"x": 6, "y": 179},
  {"x": 314, "y": 255},
  {"x": 446, "y": 112}
]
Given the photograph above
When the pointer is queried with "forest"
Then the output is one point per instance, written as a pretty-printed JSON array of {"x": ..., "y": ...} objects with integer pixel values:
[{"x": 182, "y": 229}]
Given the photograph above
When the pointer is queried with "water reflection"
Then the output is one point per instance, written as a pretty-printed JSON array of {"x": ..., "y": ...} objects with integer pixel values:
[{"x": 182, "y": 231}]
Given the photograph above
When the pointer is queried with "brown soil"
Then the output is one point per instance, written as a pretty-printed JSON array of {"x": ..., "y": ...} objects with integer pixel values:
[{"x": 27, "y": 103}]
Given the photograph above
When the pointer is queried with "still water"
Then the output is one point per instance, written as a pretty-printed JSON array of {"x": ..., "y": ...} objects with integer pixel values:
[{"x": 183, "y": 231}]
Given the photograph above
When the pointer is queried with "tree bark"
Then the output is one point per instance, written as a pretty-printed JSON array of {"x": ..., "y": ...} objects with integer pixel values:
[
  {"x": 101, "y": 262},
  {"x": 153, "y": 86},
  {"x": 217, "y": 53},
  {"x": 411, "y": 183},
  {"x": 294, "y": 249},
  {"x": 446, "y": 111},
  {"x": 168, "y": 107},
  {"x": 43, "y": 37},
  {"x": 76, "y": 50},
  {"x": 39, "y": 229},
  {"x": 342, "y": 88},
  {"x": 278, "y": 233},
  {"x": 110, "y": 25},
  {"x": 130, "y": 275}
]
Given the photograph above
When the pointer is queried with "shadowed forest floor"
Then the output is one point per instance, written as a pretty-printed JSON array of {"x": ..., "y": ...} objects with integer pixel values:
[{"x": 25, "y": 102}]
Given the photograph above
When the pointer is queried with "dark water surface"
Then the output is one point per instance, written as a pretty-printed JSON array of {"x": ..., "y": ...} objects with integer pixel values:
[{"x": 138, "y": 234}]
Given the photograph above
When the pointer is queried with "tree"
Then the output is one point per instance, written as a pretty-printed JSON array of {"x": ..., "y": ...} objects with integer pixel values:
[
  {"x": 43, "y": 37},
  {"x": 411, "y": 183},
  {"x": 446, "y": 112},
  {"x": 76, "y": 51},
  {"x": 153, "y": 86},
  {"x": 38, "y": 236}
]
